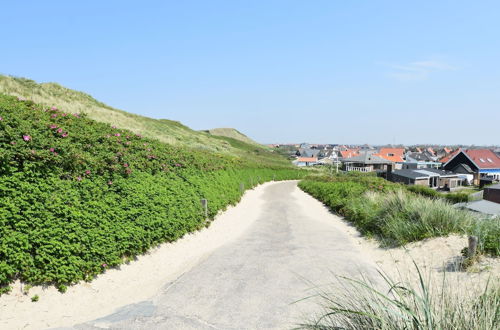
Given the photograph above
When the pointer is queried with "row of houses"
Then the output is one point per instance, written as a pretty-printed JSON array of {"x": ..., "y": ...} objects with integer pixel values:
[{"x": 442, "y": 169}]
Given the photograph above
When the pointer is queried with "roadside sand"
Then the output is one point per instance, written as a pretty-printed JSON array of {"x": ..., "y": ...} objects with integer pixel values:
[
  {"x": 435, "y": 257},
  {"x": 133, "y": 282}
]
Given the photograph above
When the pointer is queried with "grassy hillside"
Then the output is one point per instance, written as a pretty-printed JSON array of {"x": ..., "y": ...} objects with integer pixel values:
[
  {"x": 231, "y": 133},
  {"x": 168, "y": 131},
  {"x": 78, "y": 196}
]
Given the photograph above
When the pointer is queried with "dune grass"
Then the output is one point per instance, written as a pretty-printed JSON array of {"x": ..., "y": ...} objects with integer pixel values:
[
  {"x": 362, "y": 304},
  {"x": 164, "y": 130},
  {"x": 396, "y": 216}
]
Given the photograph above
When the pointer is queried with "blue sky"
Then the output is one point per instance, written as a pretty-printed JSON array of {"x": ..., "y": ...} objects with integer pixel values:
[{"x": 279, "y": 71}]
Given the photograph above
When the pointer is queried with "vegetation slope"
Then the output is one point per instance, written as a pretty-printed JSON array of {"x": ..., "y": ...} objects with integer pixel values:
[
  {"x": 78, "y": 196},
  {"x": 225, "y": 141},
  {"x": 231, "y": 133}
]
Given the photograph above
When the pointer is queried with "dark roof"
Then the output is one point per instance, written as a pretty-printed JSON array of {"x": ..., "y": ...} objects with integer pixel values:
[
  {"x": 407, "y": 173},
  {"x": 495, "y": 186},
  {"x": 422, "y": 173},
  {"x": 309, "y": 152},
  {"x": 482, "y": 206},
  {"x": 465, "y": 167},
  {"x": 421, "y": 156}
]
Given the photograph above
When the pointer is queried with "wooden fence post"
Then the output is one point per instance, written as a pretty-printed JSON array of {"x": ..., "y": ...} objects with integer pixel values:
[
  {"x": 471, "y": 250},
  {"x": 204, "y": 204}
]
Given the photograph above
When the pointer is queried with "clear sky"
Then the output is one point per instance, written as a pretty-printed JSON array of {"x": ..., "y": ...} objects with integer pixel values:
[{"x": 279, "y": 71}]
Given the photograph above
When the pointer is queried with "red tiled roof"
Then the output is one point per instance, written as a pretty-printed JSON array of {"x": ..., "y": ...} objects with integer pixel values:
[
  {"x": 483, "y": 158},
  {"x": 392, "y": 154},
  {"x": 307, "y": 159},
  {"x": 431, "y": 151},
  {"x": 349, "y": 153},
  {"x": 447, "y": 150}
]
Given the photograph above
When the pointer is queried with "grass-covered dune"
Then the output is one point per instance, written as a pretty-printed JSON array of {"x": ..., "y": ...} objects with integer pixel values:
[
  {"x": 396, "y": 215},
  {"x": 168, "y": 131},
  {"x": 78, "y": 196}
]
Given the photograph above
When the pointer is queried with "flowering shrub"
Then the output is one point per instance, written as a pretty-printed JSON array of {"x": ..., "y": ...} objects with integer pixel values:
[{"x": 78, "y": 196}]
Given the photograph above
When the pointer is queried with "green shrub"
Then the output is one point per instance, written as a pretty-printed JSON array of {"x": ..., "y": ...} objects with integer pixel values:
[{"x": 78, "y": 196}]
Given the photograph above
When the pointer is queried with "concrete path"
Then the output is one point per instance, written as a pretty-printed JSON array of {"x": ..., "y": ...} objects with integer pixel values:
[{"x": 253, "y": 282}]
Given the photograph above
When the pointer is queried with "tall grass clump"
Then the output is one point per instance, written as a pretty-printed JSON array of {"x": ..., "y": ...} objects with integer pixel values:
[
  {"x": 362, "y": 304},
  {"x": 396, "y": 216}
]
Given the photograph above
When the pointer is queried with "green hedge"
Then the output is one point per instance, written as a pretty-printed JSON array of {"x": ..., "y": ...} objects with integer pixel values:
[
  {"x": 78, "y": 196},
  {"x": 396, "y": 216}
]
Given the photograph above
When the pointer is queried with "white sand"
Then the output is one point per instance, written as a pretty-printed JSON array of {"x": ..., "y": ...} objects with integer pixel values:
[
  {"x": 133, "y": 282},
  {"x": 435, "y": 257}
]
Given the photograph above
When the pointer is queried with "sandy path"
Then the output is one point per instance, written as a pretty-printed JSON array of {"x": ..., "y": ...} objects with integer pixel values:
[
  {"x": 131, "y": 283},
  {"x": 252, "y": 282}
]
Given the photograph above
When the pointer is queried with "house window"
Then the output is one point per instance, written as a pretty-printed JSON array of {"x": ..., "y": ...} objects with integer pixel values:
[
  {"x": 482, "y": 160},
  {"x": 390, "y": 155},
  {"x": 489, "y": 159}
]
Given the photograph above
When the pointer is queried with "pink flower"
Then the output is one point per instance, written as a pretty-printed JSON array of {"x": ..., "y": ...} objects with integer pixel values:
[
  {"x": 54, "y": 115},
  {"x": 79, "y": 178},
  {"x": 178, "y": 165},
  {"x": 26, "y": 138},
  {"x": 128, "y": 171},
  {"x": 53, "y": 108},
  {"x": 13, "y": 142},
  {"x": 87, "y": 172},
  {"x": 104, "y": 265},
  {"x": 1, "y": 118},
  {"x": 76, "y": 115},
  {"x": 64, "y": 114},
  {"x": 65, "y": 134},
  {"x": 110, "y": 182},
  {"x": 117, "y": 134},
  {"x": 59, "y": 130},
  {"x": 125, "y": 165},
  {"x": 52, "y": 149},
  {"x": 113, "y": 126},
  {"x": 53, "y": 126},
  {"x": 55, "y": 153}
]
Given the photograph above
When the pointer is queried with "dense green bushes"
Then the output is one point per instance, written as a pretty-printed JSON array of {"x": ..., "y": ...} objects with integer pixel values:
[
  {"x": 78, "y": 196},
  {"x": 389, "y": 212},
  {"x": 456, "y": 197}
]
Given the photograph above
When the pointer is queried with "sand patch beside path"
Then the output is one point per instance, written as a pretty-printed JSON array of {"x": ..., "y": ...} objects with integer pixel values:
[{"x": 133, "y": 282}]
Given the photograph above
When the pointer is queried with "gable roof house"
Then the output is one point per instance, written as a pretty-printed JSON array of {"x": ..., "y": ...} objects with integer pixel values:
[
  {"x": 366, "y": 161},
  {"x": 305, "y": 161},
  {"x": 482, "y": 162},
  {"x": 393, "y": 155},
  {"x": 429, "y": 177},
  {"x": 307, "y": 152},
  {"x": 418, "y": 160}
]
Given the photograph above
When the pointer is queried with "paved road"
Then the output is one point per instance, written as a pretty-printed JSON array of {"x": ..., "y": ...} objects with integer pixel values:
[{"x": 252, "y": 282}]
